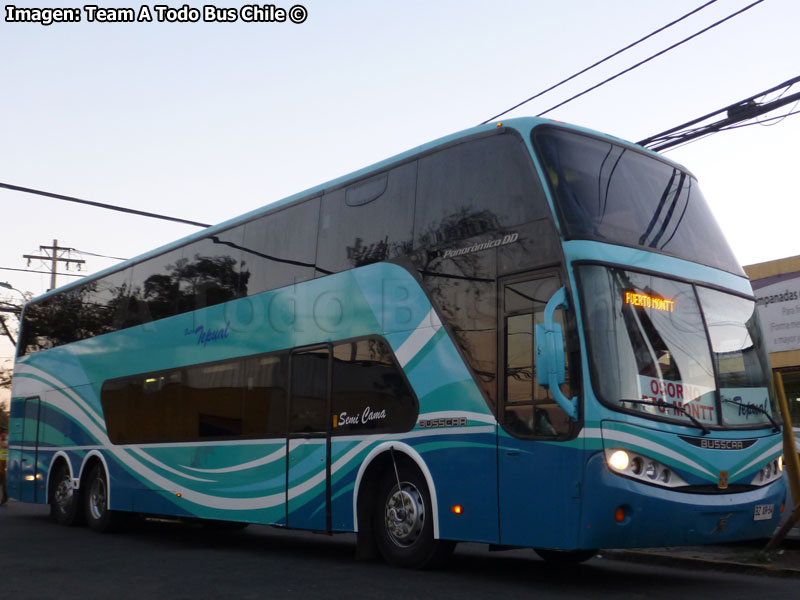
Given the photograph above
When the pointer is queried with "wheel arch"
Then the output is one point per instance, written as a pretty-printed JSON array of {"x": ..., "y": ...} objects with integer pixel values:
[
  {"x": 55, "y": 459},
  {"x": 382, "y": 454}
]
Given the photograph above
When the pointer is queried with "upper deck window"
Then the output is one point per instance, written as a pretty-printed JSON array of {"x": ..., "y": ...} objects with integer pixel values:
[{"x": 610, "y": 192}]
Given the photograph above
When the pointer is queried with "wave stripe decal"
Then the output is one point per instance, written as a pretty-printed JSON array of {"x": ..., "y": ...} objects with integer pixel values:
[
  {"x": 417, "y": 340},
  {"x": 641, "y": 442},
  {"x": 768, "y": 453},
  {"x": 265, "y": 460}
]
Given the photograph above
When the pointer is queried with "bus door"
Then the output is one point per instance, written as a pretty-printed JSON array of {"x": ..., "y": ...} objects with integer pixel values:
[
  {"x": 539, "y": 474},
  {"x": 308, "y": 441},
  {"x": 29, "y": 451}
]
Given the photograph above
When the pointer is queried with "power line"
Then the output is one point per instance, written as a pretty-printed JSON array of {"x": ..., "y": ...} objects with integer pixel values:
[
  {"x": 601, "y": 61},
  {"x": 131, "y": 211},
  {"x": 40, "y": 272},
  {"x": 97, "y": 255},
  {"x": 647, "y": 60},
  {"x": 734, "y": 114}
]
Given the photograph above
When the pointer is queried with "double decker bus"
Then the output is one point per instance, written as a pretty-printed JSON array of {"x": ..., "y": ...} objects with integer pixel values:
[{"x": 525, "y": 334}]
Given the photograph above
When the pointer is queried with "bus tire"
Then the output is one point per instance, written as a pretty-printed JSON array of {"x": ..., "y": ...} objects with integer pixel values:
[
  {"x": 64, "y": 498},
  {"x": 403, "y": 523},
  {"x": 565, "y": 557},
  {"x": 95, "y": 496}
]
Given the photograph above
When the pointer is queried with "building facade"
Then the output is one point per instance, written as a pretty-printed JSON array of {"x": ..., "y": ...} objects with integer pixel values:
[{"x": 776, "y": 284}]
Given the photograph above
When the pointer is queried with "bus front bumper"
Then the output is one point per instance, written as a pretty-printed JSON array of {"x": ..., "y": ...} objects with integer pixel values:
[{"x": 653, "y": 516}]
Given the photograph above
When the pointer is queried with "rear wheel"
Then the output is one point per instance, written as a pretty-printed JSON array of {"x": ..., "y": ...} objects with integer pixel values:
[
  {"x": 98, "y": 516},
  {"x": 64, "y": 498},
  {"x": 403, "y": 523}
]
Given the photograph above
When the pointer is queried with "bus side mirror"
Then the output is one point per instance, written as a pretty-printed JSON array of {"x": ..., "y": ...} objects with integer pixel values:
[{"x": 549, "y": 348}]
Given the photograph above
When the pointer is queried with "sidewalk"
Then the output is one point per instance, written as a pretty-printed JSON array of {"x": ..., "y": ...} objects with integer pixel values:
[{"x": 744, "y": 557}]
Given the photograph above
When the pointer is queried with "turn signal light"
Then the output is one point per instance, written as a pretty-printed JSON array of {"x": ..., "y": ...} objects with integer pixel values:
[
  {"x": 619, "y": 514},
  {"x": 457, "y": 509}
]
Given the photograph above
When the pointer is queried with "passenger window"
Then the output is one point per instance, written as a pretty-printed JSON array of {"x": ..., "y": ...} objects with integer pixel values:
[
  {"x": 308, "y": 412},
  {"x": 369, "y": 393},
  {"x": 367, "y": 222}
]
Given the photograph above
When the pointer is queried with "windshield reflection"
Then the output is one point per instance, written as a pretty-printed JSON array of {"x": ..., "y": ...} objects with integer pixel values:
[{"x": 647, "y": 342}]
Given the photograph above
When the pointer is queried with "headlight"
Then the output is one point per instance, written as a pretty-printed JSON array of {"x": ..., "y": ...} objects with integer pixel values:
[
  {"x": 769, "y": 472},
  {"x": 642, "y": 468}
]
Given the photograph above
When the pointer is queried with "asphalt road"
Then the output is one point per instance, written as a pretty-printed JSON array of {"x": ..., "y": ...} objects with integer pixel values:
[{"x": 154, "y": 560}]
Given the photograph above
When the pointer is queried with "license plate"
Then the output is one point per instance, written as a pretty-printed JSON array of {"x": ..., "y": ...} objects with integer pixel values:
[{"x": 763, "y": 512}]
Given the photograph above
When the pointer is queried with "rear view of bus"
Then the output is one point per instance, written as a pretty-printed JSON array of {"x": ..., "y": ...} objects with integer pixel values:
[{"x": 676, "y": 383}]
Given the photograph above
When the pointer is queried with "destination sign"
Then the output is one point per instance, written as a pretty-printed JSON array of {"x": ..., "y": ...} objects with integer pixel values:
[{"x": 647, "y": 301}]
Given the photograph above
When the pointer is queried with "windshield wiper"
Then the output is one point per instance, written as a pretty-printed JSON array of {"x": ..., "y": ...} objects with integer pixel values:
[
  {"x": 757, "y": 408},
  {"x": 678, "y": 407}
]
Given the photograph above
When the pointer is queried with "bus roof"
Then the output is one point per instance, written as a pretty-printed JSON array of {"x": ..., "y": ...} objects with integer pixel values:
[{"x": 521, "y": 124}]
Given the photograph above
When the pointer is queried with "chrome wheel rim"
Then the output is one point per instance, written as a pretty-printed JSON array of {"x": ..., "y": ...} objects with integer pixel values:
[
  {"x": 97, "y": 498},
  {"x": 63, "y": 494},
  {"x": 405, "y": 515}
]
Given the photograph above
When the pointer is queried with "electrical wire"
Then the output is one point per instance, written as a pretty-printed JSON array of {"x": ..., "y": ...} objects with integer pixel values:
[
  {"x": 97, "y": 255},
  {"x": 656, "y": 55},
  {"x": 601, "y": 61},
  {"x": 744, "y": 113},
  {"x": 40, "y": 272},
  {"x": 131, "y": 211}
]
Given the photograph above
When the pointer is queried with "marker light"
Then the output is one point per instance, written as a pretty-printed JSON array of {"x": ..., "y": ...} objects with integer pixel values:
[
  {"x": 619, "y": 460},
  {"x": 457, "y": 509},
  {"x": 619, "y": 514}
]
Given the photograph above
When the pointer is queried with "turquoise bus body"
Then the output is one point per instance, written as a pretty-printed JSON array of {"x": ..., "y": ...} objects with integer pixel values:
[{"x": 515, "y": 492}]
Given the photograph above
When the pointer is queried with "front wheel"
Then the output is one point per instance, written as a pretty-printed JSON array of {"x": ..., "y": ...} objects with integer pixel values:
[
  {"x": 403, "y": 523},
  {"x": 98, "y": 516}
]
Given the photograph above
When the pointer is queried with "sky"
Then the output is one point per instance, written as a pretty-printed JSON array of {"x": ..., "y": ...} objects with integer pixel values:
[{"x": 206, "y": 121}]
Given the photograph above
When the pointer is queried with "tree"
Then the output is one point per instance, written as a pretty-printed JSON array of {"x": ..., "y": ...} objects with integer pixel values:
[{"x": 5, "y": 384}]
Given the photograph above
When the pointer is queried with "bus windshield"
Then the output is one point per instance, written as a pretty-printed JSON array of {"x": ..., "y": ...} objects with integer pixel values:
[
  {"x": 687, "y": 352},
  {"x": 614, "y": 193}
]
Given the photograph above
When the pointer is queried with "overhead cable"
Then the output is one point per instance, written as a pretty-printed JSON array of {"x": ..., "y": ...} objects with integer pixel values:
[
  {"x": 656, "y": 55},
  {"x": 131, "y": 211},
  {"x": 601, "y": 61}
]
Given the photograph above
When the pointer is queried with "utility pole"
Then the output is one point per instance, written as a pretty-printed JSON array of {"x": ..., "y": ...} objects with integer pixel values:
[{"x": 54, "y": 259}]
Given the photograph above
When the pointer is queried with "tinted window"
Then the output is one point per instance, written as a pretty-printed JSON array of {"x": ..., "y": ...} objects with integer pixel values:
[
  {"x": 264, "y": 412},
  {"x": 475, "y": 187},
  {"x": 54, "y": 321},
  {"x": 613, "y": 193},
  {"x": 279, "y": 248},
  {"x": 110, "y": 298},
  {"x": 369, "y": 392},
  {"x": 230, "y": 399},
  {"x": 212, "y": 404},
  {"x": 309, "y": 405},
  {"x": 368, "y": 222},
  {"x": 209, "y": 271},
  {"x": 463, "y": 289},
  {"x": 155, "y": 288}
]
